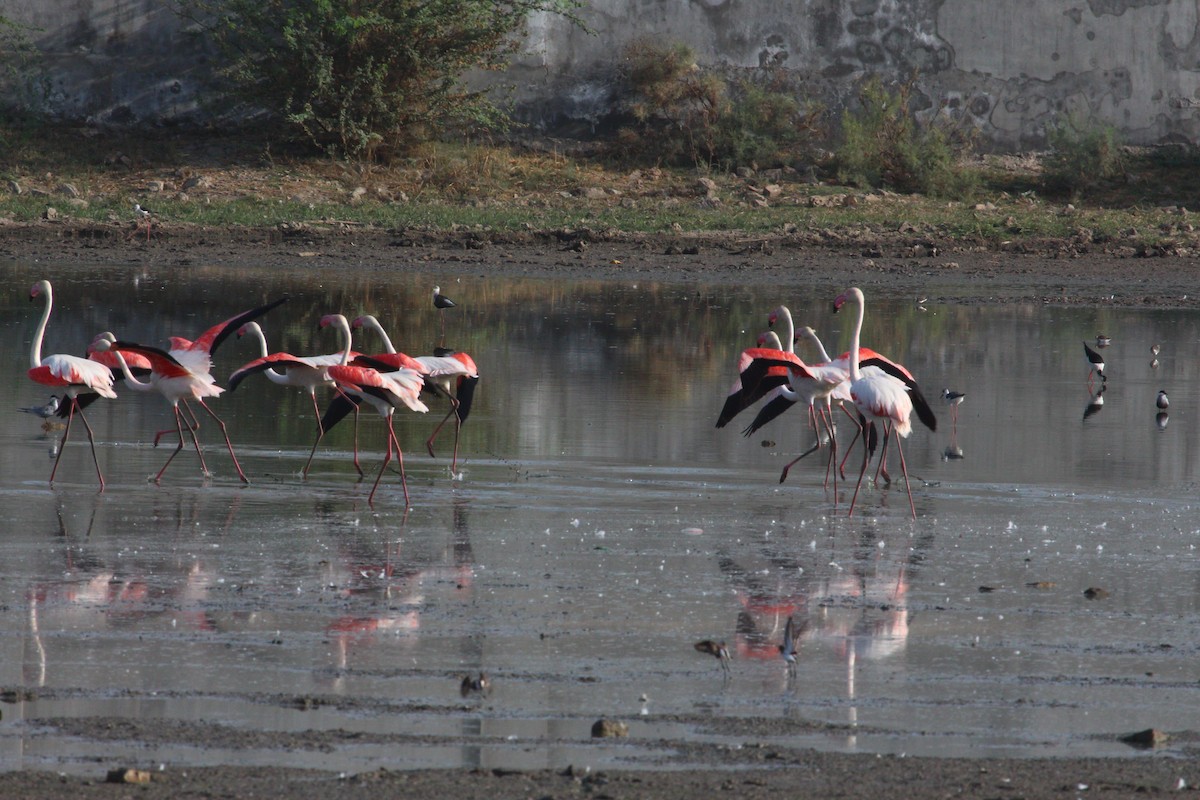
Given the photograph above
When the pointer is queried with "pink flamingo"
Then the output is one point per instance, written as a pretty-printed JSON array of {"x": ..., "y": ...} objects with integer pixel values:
[
  {"x": 877, "y": 397},
  {"x": 177, "y": 383},
  {"x": 452, "y": 375},
  {"x": 307, "y": 373},
  {"x": 72, "y": 374},
  {"x": 385, "y": 391}
]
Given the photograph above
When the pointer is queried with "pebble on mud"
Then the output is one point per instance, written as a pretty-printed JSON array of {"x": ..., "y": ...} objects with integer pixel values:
[
  {"x": 126, "y": 775},
  {"x": 1151, "y": 737},
  {"x": 1095, "y": 593},
  {"x": 609, "y": 728}
]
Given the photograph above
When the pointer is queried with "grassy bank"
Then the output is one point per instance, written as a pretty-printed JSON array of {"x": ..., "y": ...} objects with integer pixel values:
[{"x": 211, "y": 180}]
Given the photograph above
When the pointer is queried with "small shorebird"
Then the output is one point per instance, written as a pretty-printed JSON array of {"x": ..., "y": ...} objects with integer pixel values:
[
  {"x": 1102, "y": 340},
  {"x": 482, "y": 684},
  {"x": 953, "y": 399},
  {"x": 788, "y": 648},
  {"x": 45, "y": 412},
  {"x": 1095, "y": 364},
  {"x": 441, "y": 303},
  {"x": 1161, "y": 401},
  {"x": 144, "y": 215},
  {"x": 1095, "y": 403},
  {"x": 715, "y": 649},
  {"x": 1155, "y": 349}
]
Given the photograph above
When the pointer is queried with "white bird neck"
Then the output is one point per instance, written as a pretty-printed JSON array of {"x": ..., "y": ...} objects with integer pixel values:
[{"x": 35, "y": 354}]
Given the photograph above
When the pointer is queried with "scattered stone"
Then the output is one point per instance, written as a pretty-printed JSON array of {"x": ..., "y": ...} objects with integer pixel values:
[
  {"x": 594, "y": 193},
  {"x": 14, "y": 187},
  {"x": 1151, "y": 737},
  {"x": 126, "y": 775},
  {"x": 986, "y": 589},
  {"x": 197, "y": 182},
  {"x": 609, "y": 729},
  {"x": 67, "y": 190},
  {"x": 155, "y": 186},
  {"x": 707, "y": 187},
  {"x": 51, "y": 213},
  {"x": 358, "y": 194},
  {"x": 1041, "y": 584},
  {"x": 745, "y": 173},
  {"x": 1095, "y": 593}
]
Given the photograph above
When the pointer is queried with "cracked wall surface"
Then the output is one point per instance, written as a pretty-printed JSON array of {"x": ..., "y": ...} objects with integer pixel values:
[{"x": 1007, "y": 67}]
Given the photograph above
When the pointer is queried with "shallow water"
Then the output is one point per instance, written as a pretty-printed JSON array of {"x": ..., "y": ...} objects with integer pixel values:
[{"x": 599, "y": 525}]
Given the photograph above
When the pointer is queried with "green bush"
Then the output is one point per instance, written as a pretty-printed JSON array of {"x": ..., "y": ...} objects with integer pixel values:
[
  {"x": 686, "y": 115},
  {"x": 1083, "y": 155},
  {"x": 366, "y": 79},
  {"x": 883, "y": 145}
]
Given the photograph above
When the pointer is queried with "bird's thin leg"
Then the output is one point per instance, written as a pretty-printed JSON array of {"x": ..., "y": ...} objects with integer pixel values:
[
  {"x": 193, "y": 424},
  {"x": 828, "y": 418},
  {"x": 387, "y": 459},
  {"x": 66, "y": 435},
  {"x": 92, "y": 442},
  {"x": 861, "y": 473},
  {"x": 882, "y": 468},
  {"x": 858, "y": 430},
  {"x": 228, "y": 444},
  {"x": 904, "y": 469},
  {"x": 783, "y": 475},
  {"x": 178, "y": 447},
  {"x": 453, "y": 411},
  {"x": 317, "y": 441},
  {"x": 400, "y": 459}
]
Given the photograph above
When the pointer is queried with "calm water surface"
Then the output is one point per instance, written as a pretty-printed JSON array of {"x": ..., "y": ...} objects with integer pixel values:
[{"x": 598, "y": 526}]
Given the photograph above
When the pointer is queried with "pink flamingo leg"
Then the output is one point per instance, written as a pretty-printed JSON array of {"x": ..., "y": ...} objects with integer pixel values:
[
  {"x": 228, "y": 444},
  {"x": 858, "y": 430},
  {"x": 194, "y": 424},
  {"x": 457, "y": 427},
  {"x": 179, "y": 430},
  {"x": 67, "y": 434},
  {"x": 861, "y": 473},
  {"x": 387, "y": 459},
  {"x": 904, "y": 468}
]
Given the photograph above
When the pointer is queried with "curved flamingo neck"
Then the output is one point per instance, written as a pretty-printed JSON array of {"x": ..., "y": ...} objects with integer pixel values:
[
  {"x": 343, "y": 326},
  {"x": 130, "y": 380},
  {"x": 811, "y": 335},
  {"x": 254, "y": 329},
  {"x": 369, "y": 321},
  {"x": 35, "y": 354},
  {"x": 856, "y": 296},
  {"x": 789, "y": 328}
]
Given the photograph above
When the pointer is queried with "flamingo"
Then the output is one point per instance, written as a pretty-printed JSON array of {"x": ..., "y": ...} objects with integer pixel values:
[
  {"x": 177, "y": 383},
  {"x": 877, "y": 396},
  {"x": 453, "y": 375},
  {"x": 1095, "y": 364},
  {"x": 306, "y": 373},
  {"x": 385, "y": 391},
  {"x": 72, "y": 374}
]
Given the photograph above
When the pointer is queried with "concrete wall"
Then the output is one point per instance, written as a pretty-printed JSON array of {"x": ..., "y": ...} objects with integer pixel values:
[{"x": 1006, "y": 66}]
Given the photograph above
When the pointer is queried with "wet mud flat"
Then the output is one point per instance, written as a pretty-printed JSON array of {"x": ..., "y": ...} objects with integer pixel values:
[{"x": 748, "y": 756}]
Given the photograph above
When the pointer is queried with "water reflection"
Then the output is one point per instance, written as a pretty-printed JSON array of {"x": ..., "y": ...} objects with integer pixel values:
[{"x": 600, "y": 526}]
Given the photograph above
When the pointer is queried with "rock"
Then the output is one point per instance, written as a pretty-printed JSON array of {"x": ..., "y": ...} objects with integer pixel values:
[
  {"x": 1151, "y": 737},
  {"x": 197, "y": 182},
  {"x": 773, "y": 190},
  {"x": 594, "y": 193},
  {"x": 51, "y": 213},
  {"x": 745, "y": 173},
  {"x": 14, "y": 187},
  {"x": 707, "y": 187},
  {"x": 126, "y": 775},
  {"x": 77, "y": 202},
  {"x": 358, "y": 194},
  {"x": 155, "y": 186},
  {"x": 1095, "y": 593},
  {"x": 67, "y": 190},
  {"x": 609, "y": 729}
]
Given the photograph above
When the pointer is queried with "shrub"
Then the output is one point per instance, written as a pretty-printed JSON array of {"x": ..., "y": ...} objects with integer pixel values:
[
  {"x": 1082, "y": 156},
  {"x": 365, "y": 79},
  {"x": 883, "y": 145},
  {"x": 684, "y": 114}
]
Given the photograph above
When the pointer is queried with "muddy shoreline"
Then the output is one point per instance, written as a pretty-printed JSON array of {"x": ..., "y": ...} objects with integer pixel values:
[
  {"x": 1059, "y": 272},
  {"x": 1052, "y": 273}
]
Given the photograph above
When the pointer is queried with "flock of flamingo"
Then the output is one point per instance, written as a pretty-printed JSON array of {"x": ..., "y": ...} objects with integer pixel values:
[
  {"x": 879, "y": 389},
  {"x": 183, "y": 372}
]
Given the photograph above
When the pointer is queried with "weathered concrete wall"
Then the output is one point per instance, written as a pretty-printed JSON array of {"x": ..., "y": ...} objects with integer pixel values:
[{"x": 1009, "y": 67}]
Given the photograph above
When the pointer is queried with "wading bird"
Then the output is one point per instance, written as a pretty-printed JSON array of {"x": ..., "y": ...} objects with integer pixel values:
[
  {"x": 72, "y": 374},
  {"x": 1161, "y": 401},
  {"x": 1095, "y": 364},
  {"x": 44, "y": 411},
  {"x": 717, "y": 650}
]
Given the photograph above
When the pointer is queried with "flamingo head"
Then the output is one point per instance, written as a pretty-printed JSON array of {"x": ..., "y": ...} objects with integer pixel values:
[
  {"x": 363, "y": 321},
  {"x": 330, "y": 319},
  {"x": 249, "y": 326},
  {"x": 853, "y": 295},
  {"x": 769, "y": 339},
  {"x": 101, "y": 344},
  {"x": 39, "y": 288}
]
